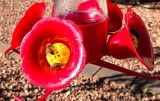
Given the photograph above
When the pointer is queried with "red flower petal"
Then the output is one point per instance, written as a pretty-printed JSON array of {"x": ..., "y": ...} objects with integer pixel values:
[
  {"x": 115, "y": 15},
  {"x": 36, "y": 70},
  {"x": 145, "y": 50},
  {"x": 34, "y": 13},
  {"x": 120, "y": 45}
]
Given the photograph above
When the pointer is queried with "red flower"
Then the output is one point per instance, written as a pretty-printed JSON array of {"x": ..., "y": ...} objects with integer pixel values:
[
  {"x": 32, "y": 15},
  {"x": 132, "y": 40},
  {"x": 33, "y": 52},
  {"x": 52, "y": 50}
]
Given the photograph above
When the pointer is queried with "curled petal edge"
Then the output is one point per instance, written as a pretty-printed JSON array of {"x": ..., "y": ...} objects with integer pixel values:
[
  {"x": 120, "y": 44},
  {"x": 33, "y": 40}
]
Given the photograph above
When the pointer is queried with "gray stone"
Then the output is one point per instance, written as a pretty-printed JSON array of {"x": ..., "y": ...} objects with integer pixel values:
[
  {"x": 3, "y": 47},
  {"x": 11, "y": 54},
  {"x": 89, "y": 70}
]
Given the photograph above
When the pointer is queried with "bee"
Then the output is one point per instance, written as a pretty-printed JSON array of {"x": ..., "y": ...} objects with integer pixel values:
[
  {"x": 54, "y": 55},
  {"x": 56, "y": 65},
  {"x": 49, "y": 49}
]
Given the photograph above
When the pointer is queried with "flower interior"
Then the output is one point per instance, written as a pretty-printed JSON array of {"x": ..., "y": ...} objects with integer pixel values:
[
  {"x": 57, "y": 55},
  {"x": 134, "y": 36}
]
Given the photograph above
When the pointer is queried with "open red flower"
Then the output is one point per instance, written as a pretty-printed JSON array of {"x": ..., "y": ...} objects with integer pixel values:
[
  {"x": 52, "y": 50},
  {"x": 132, "y": 40},
  {"x": 38, "y": 64}
]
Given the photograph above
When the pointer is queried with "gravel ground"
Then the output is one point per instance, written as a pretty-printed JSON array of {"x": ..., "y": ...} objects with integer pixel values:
[{"x": 82, "y": 88}]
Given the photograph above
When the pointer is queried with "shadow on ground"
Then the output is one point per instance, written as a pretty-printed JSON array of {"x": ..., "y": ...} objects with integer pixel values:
[{"x": 136, "y": 83}]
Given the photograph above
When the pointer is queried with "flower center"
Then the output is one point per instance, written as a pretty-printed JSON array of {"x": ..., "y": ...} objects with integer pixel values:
[
  {"x": 134, "y": 36},
  {"x": 57, "y": 55},
  {"x": 134, "y": 40}
]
